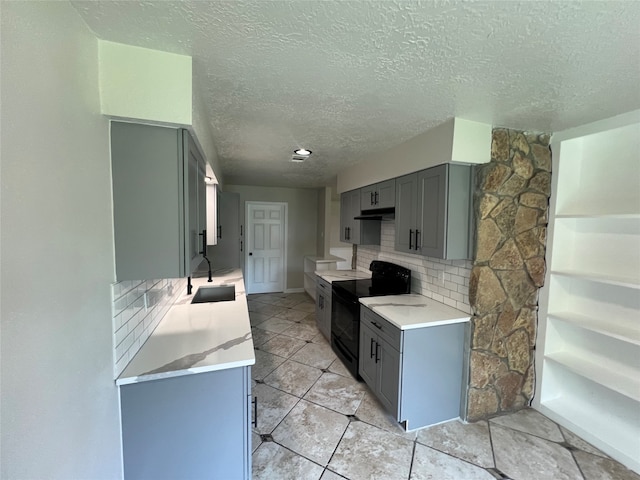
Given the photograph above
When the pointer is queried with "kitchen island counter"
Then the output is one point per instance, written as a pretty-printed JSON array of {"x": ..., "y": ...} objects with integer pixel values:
[{"x": 196, "y": 338}]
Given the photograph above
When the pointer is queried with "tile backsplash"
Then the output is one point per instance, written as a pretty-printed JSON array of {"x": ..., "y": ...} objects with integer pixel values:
[
  {"x": 138, "y": 307},
  {"x": 446, "y": 281}
]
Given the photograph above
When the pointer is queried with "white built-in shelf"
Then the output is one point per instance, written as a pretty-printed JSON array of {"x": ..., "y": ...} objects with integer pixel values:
[
  {"x": 617, "y": 280},
  {"x": 603, "y": 326},
  {"x": 588, "y": 353},
  {"x": 594, "y": 424},
  {"x": 618, "y": 378},
  {"x": 603, "y": 215}
]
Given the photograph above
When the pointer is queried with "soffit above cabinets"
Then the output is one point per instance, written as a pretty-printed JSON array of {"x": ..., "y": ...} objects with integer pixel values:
[{"x": 352, "y": 79}]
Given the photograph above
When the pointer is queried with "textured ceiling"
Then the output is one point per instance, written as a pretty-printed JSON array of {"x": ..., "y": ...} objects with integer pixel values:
[{"x": 348, "y": 78}]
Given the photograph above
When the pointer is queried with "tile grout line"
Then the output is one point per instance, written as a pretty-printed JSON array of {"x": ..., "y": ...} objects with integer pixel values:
[{"x": 413, "y": 456}]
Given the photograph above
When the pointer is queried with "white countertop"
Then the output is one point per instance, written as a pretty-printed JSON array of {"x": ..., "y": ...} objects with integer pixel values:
[
  {"x": 414, "y": 311},
  {"x": 197, "y": 338},
  {"x": 325, "y": 259},
  {"x": 337, "y": 275}
]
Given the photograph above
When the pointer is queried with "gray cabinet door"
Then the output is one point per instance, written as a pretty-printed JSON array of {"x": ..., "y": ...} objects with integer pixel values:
[
  {"x": 367, "y": 365},
  {"x": 406, "y": 206},
  {"x": 148, "y": 181},
  {"x": 432, "y": 211},
  {"x": 444, "y": 211},
  {"x": 354, "y": 210},
  {"x": 323, "y": 308},
  {"x": 193, "y": 426},
  {"x": 327, "y": 314},
  {"x": 367, "y": 197},
  {"x": 357, "y": 232},
  {"x": 385, "y": 195},
  {"x": 388, "y": 384},
  {"x": 379, "y": 195},
  {"x": 226, "y": 254},
  {"x": 196, "y": 216},
  {"x": 345, "y": 211}
]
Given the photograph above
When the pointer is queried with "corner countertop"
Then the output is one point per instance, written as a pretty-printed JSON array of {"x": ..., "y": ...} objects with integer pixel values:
[
  {"x": 197, "y": 338},
  {"x": 337, "y": 275},
  {"x": 414, "y": 311}
]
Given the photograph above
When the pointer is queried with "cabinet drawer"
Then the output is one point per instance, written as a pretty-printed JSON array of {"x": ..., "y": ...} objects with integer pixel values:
[
  {"x": 384, "y": 329},
  {"x": 324, "y": 286}
]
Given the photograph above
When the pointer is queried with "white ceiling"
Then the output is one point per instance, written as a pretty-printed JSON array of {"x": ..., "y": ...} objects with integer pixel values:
[{"x": 347, "y": 78}]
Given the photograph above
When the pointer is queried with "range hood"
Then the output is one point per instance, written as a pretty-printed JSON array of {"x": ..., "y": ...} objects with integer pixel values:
[{"x": 377, "y": 214}]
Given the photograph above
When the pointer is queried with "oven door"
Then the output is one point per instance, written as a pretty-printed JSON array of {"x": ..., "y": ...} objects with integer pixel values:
[{"x": 345, "y": 328}]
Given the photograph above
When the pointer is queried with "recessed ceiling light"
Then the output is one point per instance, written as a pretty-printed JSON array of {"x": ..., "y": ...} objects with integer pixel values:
[{"x": 302, "y": 151}]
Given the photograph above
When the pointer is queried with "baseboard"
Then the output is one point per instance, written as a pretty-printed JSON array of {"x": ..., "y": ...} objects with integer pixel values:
[{"x": 294, "y": 290}]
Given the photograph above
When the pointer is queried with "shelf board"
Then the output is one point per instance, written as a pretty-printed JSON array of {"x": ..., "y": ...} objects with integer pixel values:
[
  {"x": 612, "y": 435},
  {"x": 624, "y": 333},
  {"x": 615, "y": 216},
  {"x": 613, "y": 379},
  {"x": 617, "y": 280}
]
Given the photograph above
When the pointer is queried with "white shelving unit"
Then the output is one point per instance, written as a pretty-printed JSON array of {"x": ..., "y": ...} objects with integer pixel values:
[{"x": 588, "y": 349}]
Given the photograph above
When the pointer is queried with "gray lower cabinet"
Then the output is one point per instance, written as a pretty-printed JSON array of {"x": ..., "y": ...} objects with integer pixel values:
[
  {"x": 159, "y": 201},
  {"x": 188, "y": 427},
  {"x": 433, "y": 212},
  {"x": 380, "y": 367},
  {"x": 357, "y": 232},
  {"x": 417, "y": 373},
  {"x": 323, "y": 307}
]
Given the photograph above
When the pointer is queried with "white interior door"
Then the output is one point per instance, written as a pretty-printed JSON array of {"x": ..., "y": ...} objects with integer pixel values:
[{"x": 266, "y": 238}]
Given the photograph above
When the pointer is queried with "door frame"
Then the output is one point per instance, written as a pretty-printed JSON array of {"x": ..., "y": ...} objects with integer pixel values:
[{"x": 285, "y": 235}]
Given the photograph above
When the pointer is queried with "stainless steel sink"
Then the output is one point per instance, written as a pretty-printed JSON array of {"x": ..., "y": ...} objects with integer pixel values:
[{"x": 219, "y": 293}]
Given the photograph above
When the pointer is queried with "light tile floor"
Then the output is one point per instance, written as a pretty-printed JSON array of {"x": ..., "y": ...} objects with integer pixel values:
[{"x": 315, "y": 421}]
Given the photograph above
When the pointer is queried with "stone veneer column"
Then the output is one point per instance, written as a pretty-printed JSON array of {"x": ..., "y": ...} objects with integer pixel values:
[{"x": 511, "y": 208}]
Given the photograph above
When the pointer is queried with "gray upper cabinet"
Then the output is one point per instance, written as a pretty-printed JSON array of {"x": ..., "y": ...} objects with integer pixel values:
[
  {"x": 159, "y": 201},
  {"x": 433, "y": 212},
  {"x": 358, "y": 232},
  {"x": 379, "y": 195},
  {"x": 406, "y": 213},
  {"x": 197, "y": 202},
  {"x": 227, "y": 252}
]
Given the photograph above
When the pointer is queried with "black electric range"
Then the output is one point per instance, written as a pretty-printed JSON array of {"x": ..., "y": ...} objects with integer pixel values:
[{"x": 386, "y": 279}]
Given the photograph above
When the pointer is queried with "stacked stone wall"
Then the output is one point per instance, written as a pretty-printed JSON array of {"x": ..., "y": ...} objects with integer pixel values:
[{"x": 511, "y": 207}]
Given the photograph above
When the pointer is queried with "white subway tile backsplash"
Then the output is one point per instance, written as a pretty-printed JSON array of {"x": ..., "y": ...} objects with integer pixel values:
[
  {"x": 138, "y": 307},
  {"x": 426, "y": 272}
]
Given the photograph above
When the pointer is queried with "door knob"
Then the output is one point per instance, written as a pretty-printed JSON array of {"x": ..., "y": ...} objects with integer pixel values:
[{"x": 250, "y": 253}]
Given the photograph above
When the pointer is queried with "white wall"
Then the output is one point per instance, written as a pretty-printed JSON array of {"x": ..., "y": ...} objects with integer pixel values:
[
  {"x": 59, "y": 411},
  {"x": 145, "y": 84},
  {"x": 302, "y": 222},
  {"x": 456, "y": 140}
]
